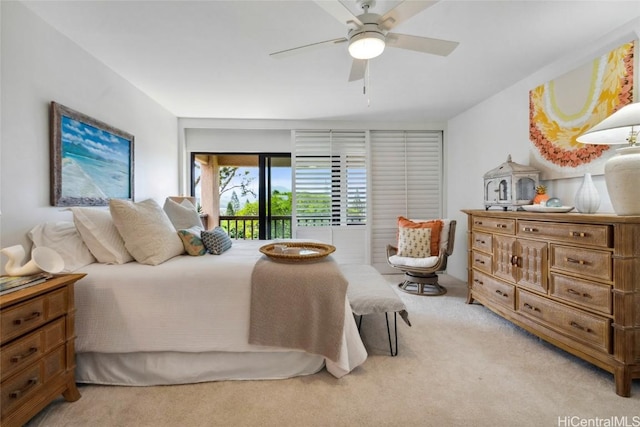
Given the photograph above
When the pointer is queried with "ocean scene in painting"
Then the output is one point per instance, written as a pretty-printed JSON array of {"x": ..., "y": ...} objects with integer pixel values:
[{"x": 95, "y": 163}]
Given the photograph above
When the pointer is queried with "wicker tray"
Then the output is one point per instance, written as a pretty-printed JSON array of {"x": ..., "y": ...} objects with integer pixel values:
[{"x": 297, "y": 251}]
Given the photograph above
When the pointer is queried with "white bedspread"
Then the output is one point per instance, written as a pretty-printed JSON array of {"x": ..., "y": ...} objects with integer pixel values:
[{"x": 186, "y": 304}]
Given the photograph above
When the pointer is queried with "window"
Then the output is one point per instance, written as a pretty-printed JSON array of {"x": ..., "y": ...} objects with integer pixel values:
[{"x": 330, "y": 178}]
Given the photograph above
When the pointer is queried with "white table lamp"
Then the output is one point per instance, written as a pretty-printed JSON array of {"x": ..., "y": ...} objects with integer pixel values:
[{"x": 622, "y": 171}]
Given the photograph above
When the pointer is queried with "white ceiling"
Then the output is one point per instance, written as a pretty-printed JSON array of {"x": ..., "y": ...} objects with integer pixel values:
[{"x": 211, "y": 58}]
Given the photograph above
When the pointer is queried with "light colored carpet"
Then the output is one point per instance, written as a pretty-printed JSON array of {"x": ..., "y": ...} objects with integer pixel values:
[{"x": 458, "y": 365}]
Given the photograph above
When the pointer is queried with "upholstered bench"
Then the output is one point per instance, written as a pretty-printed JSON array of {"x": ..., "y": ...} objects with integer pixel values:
[{"x": 369, "y": 293}]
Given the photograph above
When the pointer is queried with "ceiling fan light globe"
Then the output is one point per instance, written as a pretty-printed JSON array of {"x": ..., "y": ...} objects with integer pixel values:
[{"x": 366, "y": 45}]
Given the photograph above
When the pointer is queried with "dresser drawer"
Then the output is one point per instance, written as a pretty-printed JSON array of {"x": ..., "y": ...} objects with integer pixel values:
[
  {"x": 19, "y": 388},
  {"x": 30, "y": 348},
  {"x": 482, "y": 241},
  {"x": 591, "y": 329},
  {"x": 589, "y": 263},
  {"x": 28, "y": 316},
  {"x": 481, "y": 261},
  {"x": 494, "y": 290},
  {"x": 592, "y": 295},
  {"x": 500, "y": 225},
  {"x": 579, "y": 234}
]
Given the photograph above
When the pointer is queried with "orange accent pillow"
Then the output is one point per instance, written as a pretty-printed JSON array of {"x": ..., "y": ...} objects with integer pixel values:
[{"x": 435, "y": 226}]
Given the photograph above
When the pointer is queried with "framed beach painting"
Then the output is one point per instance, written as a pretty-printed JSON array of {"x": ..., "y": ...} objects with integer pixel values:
[
  {"x": 564, "y": 108},
  {"x": 91, "y": 161}
]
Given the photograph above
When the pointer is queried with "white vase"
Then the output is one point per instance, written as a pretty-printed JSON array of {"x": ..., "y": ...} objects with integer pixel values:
[{"x": 587, "y": 198}]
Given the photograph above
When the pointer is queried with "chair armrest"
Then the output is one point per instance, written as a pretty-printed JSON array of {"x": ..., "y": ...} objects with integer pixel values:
[{"x": 391, "y": 250}]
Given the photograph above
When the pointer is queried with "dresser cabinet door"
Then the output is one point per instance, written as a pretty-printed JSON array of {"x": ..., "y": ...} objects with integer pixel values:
[
  {"x": 504, "y": 249},
  {"x": 532, "y": 264},
  {"x": 521, "y": 261}
]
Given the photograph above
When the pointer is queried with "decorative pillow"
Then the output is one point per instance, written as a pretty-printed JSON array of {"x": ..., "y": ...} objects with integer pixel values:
[
  {"x": 435, "y": 226},
  {"x": 146, "y": 230},
  {"x": 414, "y": 242},
  {"x": 182, "y": 215},
  {"x": 192, "y": 242},
  {"x": 63, "y": 238},
  {"x": 101, "y": 235},
  {"x": 216, "y": 241}
]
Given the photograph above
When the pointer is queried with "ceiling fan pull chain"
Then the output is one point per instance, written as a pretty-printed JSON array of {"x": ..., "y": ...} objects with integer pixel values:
[{"x": 368, "y": 83}]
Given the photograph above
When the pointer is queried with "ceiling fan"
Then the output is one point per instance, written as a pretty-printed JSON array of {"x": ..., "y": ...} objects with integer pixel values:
[{"x": 369, "y": 33}]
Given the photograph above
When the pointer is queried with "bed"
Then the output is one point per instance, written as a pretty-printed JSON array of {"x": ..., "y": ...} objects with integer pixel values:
[
  {"x": 166, "y": 302},
  {"x": 184, "y": 321}
]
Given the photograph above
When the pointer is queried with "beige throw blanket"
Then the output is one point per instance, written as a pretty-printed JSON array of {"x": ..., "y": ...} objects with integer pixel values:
[{"x": 298, "y": 306}]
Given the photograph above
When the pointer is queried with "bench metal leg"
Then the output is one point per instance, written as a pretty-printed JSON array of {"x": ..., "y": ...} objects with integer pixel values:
[{"x": 395, "y": 331}]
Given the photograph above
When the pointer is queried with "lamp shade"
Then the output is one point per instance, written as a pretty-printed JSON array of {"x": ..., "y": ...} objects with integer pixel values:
[
  {"x": 622, "y": 171},
  {"x": 615, "y": 129},
  {"x": 366, "y": 45}
]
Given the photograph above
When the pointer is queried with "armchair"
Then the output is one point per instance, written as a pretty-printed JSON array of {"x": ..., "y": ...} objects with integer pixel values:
[{"x": 420, "y": 272}]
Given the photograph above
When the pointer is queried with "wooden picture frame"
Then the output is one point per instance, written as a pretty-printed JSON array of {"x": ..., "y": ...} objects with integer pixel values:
[{"x": 91, "y": 161}]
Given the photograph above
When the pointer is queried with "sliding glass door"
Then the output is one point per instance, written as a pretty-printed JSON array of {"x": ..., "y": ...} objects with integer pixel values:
[{"x": 249, "y": 195}]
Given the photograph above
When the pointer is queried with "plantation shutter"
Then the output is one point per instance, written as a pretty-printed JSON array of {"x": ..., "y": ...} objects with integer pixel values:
[
  {"x": 330, "y": 178},
  {"x": 406, "y": 180}
]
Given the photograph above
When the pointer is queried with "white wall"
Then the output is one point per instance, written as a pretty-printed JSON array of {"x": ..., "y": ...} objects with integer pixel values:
[
  {"x": 40, "y": 65},
  {"x": 480, "y": 139}
]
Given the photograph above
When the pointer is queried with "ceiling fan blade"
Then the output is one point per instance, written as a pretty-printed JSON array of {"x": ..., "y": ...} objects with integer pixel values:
[
  {"x": 402, "y": 12},
  {"x": 358, "y": 68},
  {"x": 339, "y": 11},
  {"x": 421, "y": 44},
  {"x": 306, "y": 48}
]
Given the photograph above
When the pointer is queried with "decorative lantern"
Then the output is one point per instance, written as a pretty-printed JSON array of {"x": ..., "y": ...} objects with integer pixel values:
[{"x": 510, "y": 185}]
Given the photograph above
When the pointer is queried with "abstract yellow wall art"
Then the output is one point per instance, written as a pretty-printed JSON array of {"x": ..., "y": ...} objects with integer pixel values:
[{"x": 564, "y": 108}]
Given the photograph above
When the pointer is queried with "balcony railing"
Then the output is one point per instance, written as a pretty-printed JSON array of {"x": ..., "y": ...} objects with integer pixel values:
[{"x": 247, "y": 227}]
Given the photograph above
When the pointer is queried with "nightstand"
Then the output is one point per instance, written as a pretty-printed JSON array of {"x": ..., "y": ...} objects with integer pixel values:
[{"x": 37, "y": 355}]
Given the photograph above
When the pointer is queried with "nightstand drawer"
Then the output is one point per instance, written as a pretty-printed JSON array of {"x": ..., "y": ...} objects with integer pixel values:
[
  {"x": 579, "y": 234},
  {"x": 588, "y": 328},
  {"x": 595, "y": 296},
  {"x": 587, "y": 263},
  {"x": 22, "y": 318},
  {"x": 30, "y": 348},
  {"x": 498, "y": 225},
  {"x": 27, "y": 316},
  {"x": 18, "y": 389},
  {"x": 482, "y": 241}
]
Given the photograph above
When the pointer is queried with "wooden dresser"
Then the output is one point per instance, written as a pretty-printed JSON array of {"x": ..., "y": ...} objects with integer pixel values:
[
  {"x": 572, "y": 279},
  {"x": 37, "y": 355}
]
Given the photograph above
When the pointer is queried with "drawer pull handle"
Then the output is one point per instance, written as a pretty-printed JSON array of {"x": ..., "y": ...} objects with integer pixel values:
[
  {"x": 480, "y": 241},
  {"x": 515, "y": 260},
  {"x": 32, "y": 316},
  {"x": 577, "y": 234},
  {"x": 572, "y": 292},
  {"x": 17, "y": 393},
  {"x": 576, "y": 261},
  {"x": 480, "y": 282},
  {"x": 477, "y": 222},
  {"x": 501, "y": 226},
  {"x": 479, "y": 261},
  {"x": 18, "y": 357},
  {"x": 530, "y": 307},
  {"x": 530, "y": 230},
  {"x": 579, "y": 326},
  {"x": 502, "y": 294}
]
